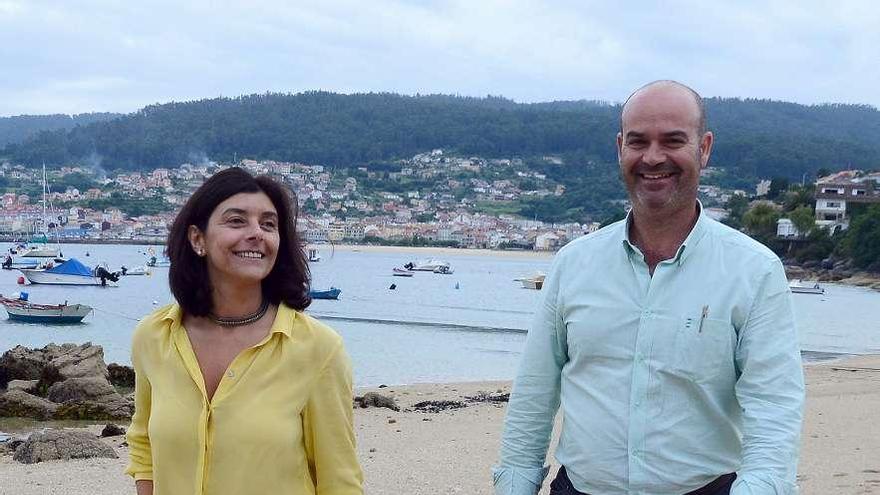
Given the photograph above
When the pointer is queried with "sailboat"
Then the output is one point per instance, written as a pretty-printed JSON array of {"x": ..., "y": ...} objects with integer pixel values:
[{"x": 43, "y": 251}]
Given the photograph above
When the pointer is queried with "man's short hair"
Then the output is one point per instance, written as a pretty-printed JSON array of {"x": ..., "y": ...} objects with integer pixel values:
[{"x": 701, "y": 108}]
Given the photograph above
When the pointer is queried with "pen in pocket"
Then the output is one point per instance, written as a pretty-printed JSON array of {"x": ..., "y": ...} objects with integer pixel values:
[{"x": 703, "y": 317}]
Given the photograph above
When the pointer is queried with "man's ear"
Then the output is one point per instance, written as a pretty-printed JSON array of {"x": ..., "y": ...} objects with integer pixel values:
[{"x": 706, "y": 143}]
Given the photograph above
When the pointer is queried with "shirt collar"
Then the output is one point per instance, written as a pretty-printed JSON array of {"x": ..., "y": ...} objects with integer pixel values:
[
  {"x": 283, "y": 324},
  {"x": 690, "y": 242}
]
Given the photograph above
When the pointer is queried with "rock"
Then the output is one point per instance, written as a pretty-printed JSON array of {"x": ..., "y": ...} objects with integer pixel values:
[
  {"x": 482, "y": 396},
  {"x": 112, "y": 430},
  {"x": 62, "y": 444},
  {"x": 434, "y": 406},
  {"x": 21, "y": 363},
  {"x": 74, "y": 361},
  {"x": 86, "y": 409},
  {"x": 24, "y": 385},
  {"x": 90, "y": 388},
  {"x": 795, "y": 272},
  {"x": 373, "y": 399},
  {"x": 121, "y": 376},
  {"x": 20, "y": 404}
]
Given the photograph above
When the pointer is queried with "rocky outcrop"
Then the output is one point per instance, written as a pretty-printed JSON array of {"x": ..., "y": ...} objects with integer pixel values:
[
  {"x": 121, "y": 376},
  {"x": 61, "y": 444},
  {"x": 69, "y": 381},
  {"x": 20, "y": 404}
]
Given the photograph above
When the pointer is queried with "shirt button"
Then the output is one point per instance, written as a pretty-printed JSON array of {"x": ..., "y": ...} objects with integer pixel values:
[{"x": 230, "y": 374}]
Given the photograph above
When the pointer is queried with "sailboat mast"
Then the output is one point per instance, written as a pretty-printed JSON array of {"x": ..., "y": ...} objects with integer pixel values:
[{"x": 45, "y": 223}]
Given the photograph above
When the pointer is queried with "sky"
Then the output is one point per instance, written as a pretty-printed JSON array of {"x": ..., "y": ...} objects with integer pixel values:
[{"x": 80, "y": 56}]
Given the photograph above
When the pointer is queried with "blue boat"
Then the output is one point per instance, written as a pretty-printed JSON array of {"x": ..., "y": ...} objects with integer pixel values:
[
  {"x": 332, "y": 293},
  {"x": 20, "y": 309}
]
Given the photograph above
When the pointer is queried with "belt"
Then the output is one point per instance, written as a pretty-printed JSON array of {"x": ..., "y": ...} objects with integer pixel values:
[{"x": 562, "y": 485}]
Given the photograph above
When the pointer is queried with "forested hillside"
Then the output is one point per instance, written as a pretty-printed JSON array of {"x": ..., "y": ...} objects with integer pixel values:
[
  {"x": 22, "y": 127},
  {"x": 754, "y": 138}
]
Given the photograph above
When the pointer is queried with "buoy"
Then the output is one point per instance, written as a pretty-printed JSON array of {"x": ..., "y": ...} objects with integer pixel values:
[
  {"x": 393, "y": 286},
  {"x": 155, "y": 303},
  {"x": 20, "y": 280},
  {"x": 456, "y": 286}
]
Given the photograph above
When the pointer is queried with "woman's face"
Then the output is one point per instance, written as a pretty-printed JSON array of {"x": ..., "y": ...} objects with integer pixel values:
[{"x": 241, "y": 241}]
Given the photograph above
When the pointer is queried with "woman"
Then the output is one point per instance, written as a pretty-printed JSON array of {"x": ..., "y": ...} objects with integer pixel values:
[{"x": 237, "y": 391}]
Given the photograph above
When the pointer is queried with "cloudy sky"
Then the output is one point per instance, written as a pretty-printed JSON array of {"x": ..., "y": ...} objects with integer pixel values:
[{"x": 83, "y": 56}]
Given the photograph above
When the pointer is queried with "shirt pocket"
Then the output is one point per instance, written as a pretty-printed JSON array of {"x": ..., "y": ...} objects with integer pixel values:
[{"x": 704, "y": 349}]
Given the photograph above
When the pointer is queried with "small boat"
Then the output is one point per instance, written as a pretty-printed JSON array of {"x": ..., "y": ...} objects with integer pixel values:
[
  {"x": 331, "y": 293},
  {"x": 157, "y": 263},
  {"x": 801, "y": 287},
  {"x": 10, "y": 264},
  {"x": 534, "y": 282},
  {"x": 135, "y": 270},
  {"x": 426, "y": 265},
  {"x": 314, "y": 255},
  {"x": 401, "y": 272},
  {"x": 71, "y": 272},
  {"x": 41, "y": 252},
  {"x": 20, "y": 309},
  {"x": 444, "y": 270}
]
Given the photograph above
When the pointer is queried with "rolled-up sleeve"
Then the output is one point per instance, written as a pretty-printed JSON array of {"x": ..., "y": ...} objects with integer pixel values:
[
  {"x": 140, "y": 465},
  {"x": 534, "y": 399},
  {"x": 328, "y": 428},
  {"x": 770, "y": 390}
]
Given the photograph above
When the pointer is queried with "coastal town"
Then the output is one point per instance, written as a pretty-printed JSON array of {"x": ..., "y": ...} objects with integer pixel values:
[{"x": 431, "y": 199}]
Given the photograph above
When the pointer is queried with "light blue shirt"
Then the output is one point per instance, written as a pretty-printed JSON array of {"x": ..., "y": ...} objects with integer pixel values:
[{"x": 665, "y": 381}]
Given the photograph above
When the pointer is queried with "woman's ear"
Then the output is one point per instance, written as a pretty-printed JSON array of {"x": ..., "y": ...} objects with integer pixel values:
[{"x": 196, "y": 240}]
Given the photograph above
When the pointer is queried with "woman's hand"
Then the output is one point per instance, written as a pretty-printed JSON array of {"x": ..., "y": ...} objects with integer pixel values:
[{"x": 144, "y": 487}]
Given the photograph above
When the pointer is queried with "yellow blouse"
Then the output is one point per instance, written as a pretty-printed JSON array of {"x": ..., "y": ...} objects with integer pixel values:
[{"x": 280, "y": 420}]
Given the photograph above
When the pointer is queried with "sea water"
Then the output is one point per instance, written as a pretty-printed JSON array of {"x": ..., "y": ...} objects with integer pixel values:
[{"x": 466, "y": 326}]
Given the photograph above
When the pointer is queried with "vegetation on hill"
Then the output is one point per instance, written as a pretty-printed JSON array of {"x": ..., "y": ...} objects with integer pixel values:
[{"x": 20, "y": 128}]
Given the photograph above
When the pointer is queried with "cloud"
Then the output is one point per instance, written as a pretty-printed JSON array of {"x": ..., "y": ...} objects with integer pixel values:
[{"x": 98, "y": 55}]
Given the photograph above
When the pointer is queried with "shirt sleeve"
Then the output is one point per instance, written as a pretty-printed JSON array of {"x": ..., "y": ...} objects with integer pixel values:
[
  {"x": 140, "y": 465},
  {"x": 770, "y": 390},
  {"x": 534, "y": 399},
  {"x": 328, "y": 429}
]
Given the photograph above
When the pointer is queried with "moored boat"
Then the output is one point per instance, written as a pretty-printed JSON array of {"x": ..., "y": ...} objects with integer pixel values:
[
  {"x": 11, "y": 264},
  {"x": 534, "y": 282},
  {"x": 20, "y": 309},
  {"x": 331, "y": 293},
  {"x": 402, "y": 272},
  {"x": 314, "y": 255},
  {"x": 429, "y": 265},
  {"x": 71, "y": 272},
  {"x": 801, "y": 287},
  {"x": 444, "y": 270}
]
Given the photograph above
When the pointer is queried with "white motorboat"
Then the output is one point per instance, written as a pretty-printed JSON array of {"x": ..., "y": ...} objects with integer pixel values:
[
  {"x": 71, "y": 272},
  {"x": 535, "y": 282},
  {"x": 401, "y": 272},
  {"x": 430, "y": 265},
  {"x": 802, "y": 287},
  {"x": 41, "y": 252},
  {"x": 135, "y": 270}
]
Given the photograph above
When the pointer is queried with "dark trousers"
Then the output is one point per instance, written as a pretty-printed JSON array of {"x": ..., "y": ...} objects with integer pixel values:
[{"x": 720, "y": 486}]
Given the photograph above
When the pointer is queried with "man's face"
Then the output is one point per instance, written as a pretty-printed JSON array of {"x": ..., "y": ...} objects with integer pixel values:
[{"x": 661, "y": 151}]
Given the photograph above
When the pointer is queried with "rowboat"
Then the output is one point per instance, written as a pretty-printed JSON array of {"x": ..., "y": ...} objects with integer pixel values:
[
  {"x": 331, "y": 293},
  {"x": 534, "y": 282},
  {"x": 801, "y": 287},
  {"x": 400, "y": 272},
  {"x": 21, "y": 310}
]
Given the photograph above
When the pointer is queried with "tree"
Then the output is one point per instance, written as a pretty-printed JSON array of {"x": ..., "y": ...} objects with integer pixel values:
[
  {"x": 736, "y": 207},
  {"x": 803, "y": 219},
  {"x": 864, "y": 239},
  {"x": 778, "y": 185},
  {"x": 760, "y": 222}
]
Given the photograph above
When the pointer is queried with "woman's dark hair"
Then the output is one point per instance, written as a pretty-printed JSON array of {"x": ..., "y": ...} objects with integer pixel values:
[{"x": 289, "y": 279}]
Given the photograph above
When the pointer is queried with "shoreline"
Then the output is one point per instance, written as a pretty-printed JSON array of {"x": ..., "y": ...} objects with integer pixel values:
[{"x": 452, "y": 451}]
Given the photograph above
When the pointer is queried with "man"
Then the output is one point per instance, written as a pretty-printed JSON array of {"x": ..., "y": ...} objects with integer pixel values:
[{"x": 667, "y": 339}]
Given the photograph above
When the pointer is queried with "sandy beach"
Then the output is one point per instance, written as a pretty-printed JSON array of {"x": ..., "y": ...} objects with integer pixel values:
[{"x": 451, "y": 452}]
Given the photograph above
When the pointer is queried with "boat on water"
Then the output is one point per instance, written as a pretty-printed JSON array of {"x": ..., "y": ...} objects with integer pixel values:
[
  {"x": 444, "y": 270},
  {"x": 153, "y": 262},
  {"x": 135, "y": 270},
  {"x": 314, "y": 255},
  {"x": 71, "y": 272},
  {"x": 331, "y": 293},
  {"x": 11, "y": 264},
  {"x": 401, "y": 272},
  {"x": 802, "y": 287},
  {"x": 535, "y": 282},
  {"x": 20, "y": 309},
  {"x": 43, "y": 250},
  {"x": 430, "y": 265}
]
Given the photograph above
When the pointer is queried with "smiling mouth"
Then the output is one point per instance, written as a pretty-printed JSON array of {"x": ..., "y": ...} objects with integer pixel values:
[
  {"x": 656, "y": 176},
  {"x": 251, "y": 255}
]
